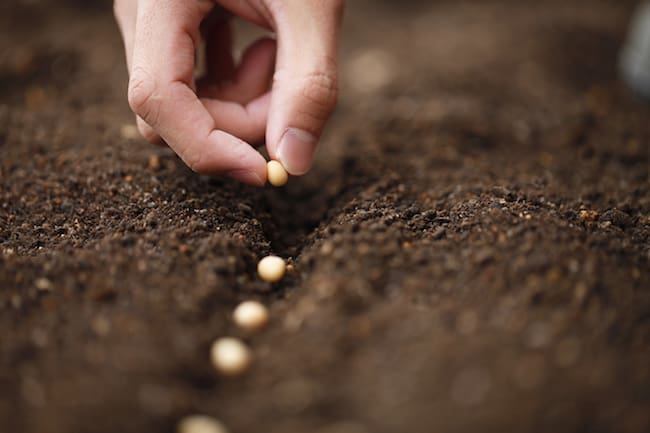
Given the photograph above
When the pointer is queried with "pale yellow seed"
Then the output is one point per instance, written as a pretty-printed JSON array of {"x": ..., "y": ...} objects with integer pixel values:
[
  {"x": 251, "y": 316},
  {"x": 230, "y": 356},
  {"x": 200, "y": 424},
  {"x": 276, "y": 173},
  {"x": 271, "y": 268}
]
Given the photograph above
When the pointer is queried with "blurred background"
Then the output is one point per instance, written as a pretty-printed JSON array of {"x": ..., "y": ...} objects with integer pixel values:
[{"x": 60, "y": 49}]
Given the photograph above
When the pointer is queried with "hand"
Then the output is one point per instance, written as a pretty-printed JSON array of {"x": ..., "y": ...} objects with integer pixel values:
[{"x": 209, "y": 121}]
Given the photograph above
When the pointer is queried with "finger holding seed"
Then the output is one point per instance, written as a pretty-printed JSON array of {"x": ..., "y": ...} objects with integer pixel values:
[{"x": 271, "y": 268}]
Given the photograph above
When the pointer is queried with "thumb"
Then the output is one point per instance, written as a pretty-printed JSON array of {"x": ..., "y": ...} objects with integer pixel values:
[{"x": 305, "y": 83}]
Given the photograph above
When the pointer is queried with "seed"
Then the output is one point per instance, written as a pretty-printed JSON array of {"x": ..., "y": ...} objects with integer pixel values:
[
  {"x": 200, "y": 424},
  {"x": 251, "y": 316},
  {"x": 276, "y": 173},
  {"x": 230, "y": 356},
  {"x": 271, "y": 268}
]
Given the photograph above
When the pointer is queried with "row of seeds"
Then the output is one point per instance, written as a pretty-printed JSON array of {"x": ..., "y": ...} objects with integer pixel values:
[{"x": 231, "y": 356}]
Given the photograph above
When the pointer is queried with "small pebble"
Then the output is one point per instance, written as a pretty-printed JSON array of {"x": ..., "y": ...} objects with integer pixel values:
[
  {"x": 43, "y": 284},
  {"x": 230, "y": 356},
  {"x": 154, "y": 162},
  {"x": 276, "y": 173},
  {"x": 271, "y": 268},
  {"x": 200, "y": 424},
  {"x": 251, "y": 316},
  {"x": 588, "y": 215}
]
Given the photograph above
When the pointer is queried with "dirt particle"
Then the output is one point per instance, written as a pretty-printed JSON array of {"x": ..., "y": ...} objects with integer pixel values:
[
  {"x": 154, "y": 399},
  {"x": 617, "y": 217},
  {"x": 294, "y": 395},
  {"x": 567, "y": 352},
  {"x": 471, "y": 386},
  {"x": 35, "y": 97},
  {"x": 40, "y": 337},
  {"x": 33, "y": 392},
  {"x": 537, "y": 335},
  {"x": 588, "y": 215},
  {"x": 359, "y": 328},
  {"x": 467, "y": 322},
  {"x": 44, "y": 285},
  {"x": 580, "y": 292},
  {"x": 101, "y": 326},
  {"x": 529, "y": 372},
  {"x": 154, "y": 162},
  {"x": 343, "y": 427},
  {"x": 327, "y": 248}
]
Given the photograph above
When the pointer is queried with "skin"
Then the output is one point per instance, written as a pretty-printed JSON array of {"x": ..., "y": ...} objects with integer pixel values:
[{"x": 211, "y": 122}]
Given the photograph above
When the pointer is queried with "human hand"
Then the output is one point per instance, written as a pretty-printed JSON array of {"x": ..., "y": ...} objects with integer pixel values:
[{"x": 209, "y": 121}]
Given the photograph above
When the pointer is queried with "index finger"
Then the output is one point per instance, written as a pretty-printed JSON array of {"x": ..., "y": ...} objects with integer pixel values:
[{"x": 161, "y": 91}]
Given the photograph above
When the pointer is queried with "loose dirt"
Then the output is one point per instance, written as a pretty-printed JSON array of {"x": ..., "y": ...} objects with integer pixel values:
[{"x": 470, "y": 252}]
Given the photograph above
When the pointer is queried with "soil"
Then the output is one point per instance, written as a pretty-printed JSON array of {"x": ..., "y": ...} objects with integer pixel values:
[{"x": 471, "y": 251}]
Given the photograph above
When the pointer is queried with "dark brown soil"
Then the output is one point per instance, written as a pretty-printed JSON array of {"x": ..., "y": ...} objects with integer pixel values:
[{"x": 471, "y": 251}]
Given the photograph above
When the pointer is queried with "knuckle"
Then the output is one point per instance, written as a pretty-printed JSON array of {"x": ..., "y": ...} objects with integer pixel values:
[
  {"x": 195, "y": 162},
  {"x": 148, "y": 133},
  {"x": 321, "y": 90},
  {"x": 142, "y": 95}
]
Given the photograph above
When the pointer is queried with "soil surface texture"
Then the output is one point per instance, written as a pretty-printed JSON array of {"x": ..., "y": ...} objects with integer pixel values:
[{"x": 471, "y": 251}]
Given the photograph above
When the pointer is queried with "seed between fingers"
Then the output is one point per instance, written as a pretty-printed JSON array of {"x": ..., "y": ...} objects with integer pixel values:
[{"x": 276, "y": 173}]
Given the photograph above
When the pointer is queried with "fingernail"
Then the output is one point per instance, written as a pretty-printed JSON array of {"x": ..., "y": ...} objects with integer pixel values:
[
  {"x": 246, "y": 176},
  {"x": 296, "y": 151}
]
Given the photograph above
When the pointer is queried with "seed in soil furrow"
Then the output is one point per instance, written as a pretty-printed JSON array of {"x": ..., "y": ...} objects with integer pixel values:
[
  {"x": 230, "y": 356},
  {"x": 271, "y": 268},
  {"x": 251, "y": 316}
]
